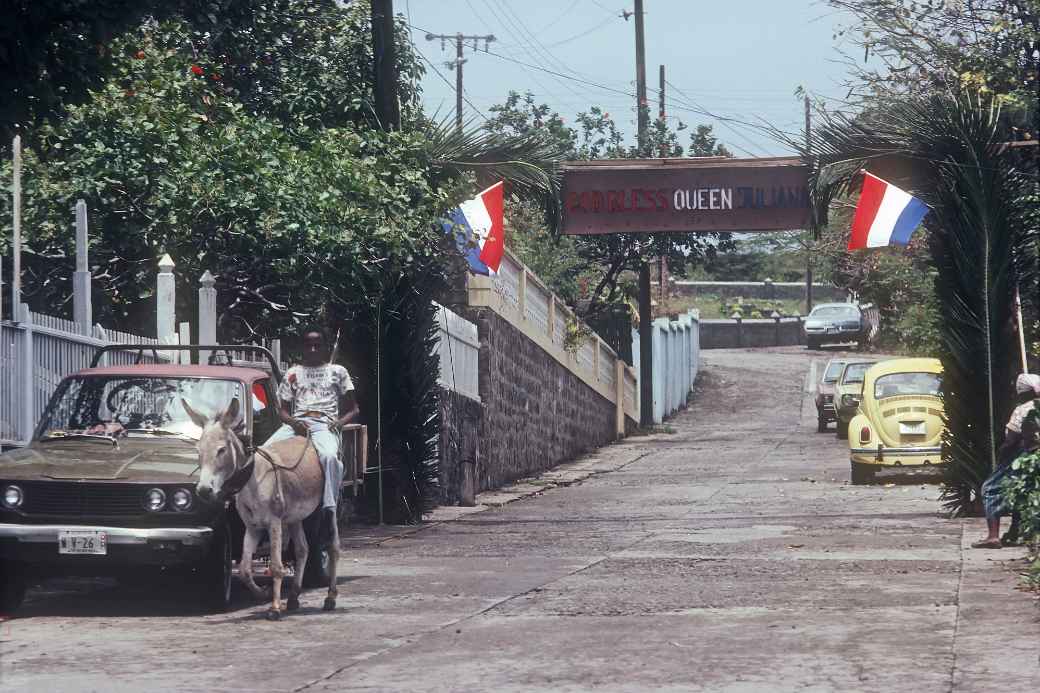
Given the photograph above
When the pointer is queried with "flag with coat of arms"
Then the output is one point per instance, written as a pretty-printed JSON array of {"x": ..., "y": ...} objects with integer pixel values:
[{"x": 477, "y": 226}]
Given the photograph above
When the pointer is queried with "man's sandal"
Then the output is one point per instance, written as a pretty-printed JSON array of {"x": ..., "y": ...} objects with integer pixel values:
[{"x": 988, "y": 544}]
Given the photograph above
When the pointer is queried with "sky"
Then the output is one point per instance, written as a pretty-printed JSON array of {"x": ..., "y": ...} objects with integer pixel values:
[{"x": 739, "y": 61}]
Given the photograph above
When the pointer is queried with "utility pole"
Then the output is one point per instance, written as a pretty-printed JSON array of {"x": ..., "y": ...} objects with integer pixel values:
[
  {"x": 641, "y": 103},
  {"x": 662, "y": 261},
  {"x": 459, "y": 40},
  {"x": 808, "y": 241},
  {"x": 646, "y": 348},
  {"x": 385, "y": 53}
]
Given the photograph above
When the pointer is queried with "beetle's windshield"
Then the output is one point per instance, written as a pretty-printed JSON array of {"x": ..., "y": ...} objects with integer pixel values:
[
  {"x": 896, "y": 384},
  {"x": 834, "y": 312},
  {"x": 854, "y": 372},
  {"x": 118, "y": 406},
  {"x": 833, "y": 371}
]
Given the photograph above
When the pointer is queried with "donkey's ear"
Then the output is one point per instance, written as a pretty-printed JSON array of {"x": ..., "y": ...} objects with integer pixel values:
[
  {"x": 196, "y": 418},
  {"x": 230, "y": 417}
]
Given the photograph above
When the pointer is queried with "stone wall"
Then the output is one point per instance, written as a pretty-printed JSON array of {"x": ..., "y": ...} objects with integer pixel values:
[
  {"x": 772, "y": 291},
  {"x": 461, "y": 419},
  {"x": 536, "y": 412},
  {"x": 735, "y": 334}
]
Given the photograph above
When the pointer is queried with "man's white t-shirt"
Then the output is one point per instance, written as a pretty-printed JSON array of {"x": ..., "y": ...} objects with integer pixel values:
[{"x": 317, "y": 388}]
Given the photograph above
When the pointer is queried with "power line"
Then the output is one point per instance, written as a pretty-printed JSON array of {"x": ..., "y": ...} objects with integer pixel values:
[{"x": 448, "y": 81}]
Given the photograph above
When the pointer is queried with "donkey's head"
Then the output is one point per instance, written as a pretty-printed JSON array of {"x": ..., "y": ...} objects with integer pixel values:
[{"x": 222, "y": 456}]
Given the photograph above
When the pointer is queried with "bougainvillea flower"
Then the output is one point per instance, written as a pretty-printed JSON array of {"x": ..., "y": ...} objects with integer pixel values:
[{"x": 197, "y": 70}]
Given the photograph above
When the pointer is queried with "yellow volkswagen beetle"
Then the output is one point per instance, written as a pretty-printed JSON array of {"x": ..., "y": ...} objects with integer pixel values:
[{"x": 899, "y": 423}]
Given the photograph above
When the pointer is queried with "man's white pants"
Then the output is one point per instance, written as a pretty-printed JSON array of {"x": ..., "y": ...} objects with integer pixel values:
[{"x": 326, "y": 443}]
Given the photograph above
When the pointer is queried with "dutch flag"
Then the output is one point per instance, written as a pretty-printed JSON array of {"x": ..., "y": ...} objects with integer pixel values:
[
  {"x": 477, "y": 227},
  {"x": 885, "y": 215}
]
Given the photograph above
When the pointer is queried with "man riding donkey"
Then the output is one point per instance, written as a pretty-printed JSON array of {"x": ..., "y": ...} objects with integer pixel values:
[
  {"x": 316, "y": 399},
  {"x": 279, "y": 485}
]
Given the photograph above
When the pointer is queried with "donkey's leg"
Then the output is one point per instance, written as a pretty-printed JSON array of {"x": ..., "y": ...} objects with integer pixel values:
[
  {"x": 330, "y": 601},
  {"x": 299, "y": 540},
  {"x": 245, "y": 565},
  {"x": 277, "y": 570}
]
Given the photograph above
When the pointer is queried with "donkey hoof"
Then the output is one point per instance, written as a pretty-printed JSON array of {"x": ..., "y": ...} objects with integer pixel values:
[
  {"x": 274, "y": 615},
  {"x": 292, "y": 603},
  {"x": 329, "y": 604}
]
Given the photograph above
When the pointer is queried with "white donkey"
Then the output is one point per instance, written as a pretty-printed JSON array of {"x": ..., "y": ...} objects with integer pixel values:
[{"x": 278, "y": 487}]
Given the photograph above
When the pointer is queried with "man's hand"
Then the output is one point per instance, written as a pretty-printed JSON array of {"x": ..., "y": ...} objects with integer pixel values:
[{"x": 298, "y": 427}]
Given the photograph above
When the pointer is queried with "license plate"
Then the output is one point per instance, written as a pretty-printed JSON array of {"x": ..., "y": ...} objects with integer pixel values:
[
  {"x": 82, "y": 542},
  {"x": 912, "y": 428}
]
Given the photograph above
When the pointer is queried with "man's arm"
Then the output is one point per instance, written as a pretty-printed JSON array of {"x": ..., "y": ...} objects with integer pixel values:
[
  {"x": 298, "y": 427},
  {"x": 348, "y": 409}
]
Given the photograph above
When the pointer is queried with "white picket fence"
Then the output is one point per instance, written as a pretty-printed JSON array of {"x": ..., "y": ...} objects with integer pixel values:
[{"x": 36, "y": 352}]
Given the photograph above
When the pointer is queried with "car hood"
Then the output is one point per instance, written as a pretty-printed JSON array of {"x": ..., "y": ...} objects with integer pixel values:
[{"x": 131, "y": 460}]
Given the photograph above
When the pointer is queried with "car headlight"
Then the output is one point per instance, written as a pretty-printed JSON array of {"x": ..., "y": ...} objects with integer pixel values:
[
  {"x": 181, "y": 499},
  {"x": 154, "y": 499},
  {"x": 13, "y": 497}
]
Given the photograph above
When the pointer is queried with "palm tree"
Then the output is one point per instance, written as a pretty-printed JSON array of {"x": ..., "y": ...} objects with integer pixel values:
[{"x": 950, "y": 150}]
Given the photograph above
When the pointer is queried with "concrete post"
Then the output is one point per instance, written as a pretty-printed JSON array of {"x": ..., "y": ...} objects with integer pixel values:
[
  {"x": 165, "y": 300},
  {"x": 207, "y": 313},
  {"x": 740, "y": 329},
  {"x": 619, "y": 396},
  {"x": 26, "y": 385},
  {"x": 82, "y": 311},
  {"x": 776, "y": 328}
]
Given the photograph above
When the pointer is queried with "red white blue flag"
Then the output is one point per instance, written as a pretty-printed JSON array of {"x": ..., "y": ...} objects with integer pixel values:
[
  {"x": 478, "y": 229},
  {"x": 885, "y": 215}
]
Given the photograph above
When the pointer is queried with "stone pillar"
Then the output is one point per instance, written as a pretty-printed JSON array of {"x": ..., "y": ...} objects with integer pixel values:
[
  {"x": 82, "y": 311},
  {"x": 165, "y": 305},
  {"x": 207, "y": 313}
]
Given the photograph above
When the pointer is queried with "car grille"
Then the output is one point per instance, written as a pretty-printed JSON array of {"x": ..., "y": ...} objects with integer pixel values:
[{"x": 60, "y": 498}]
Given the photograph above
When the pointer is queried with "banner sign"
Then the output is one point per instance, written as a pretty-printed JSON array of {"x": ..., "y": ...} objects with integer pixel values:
[{"x": 685, "y": 195}]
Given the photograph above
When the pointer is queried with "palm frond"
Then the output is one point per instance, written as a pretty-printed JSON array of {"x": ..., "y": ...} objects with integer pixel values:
[{"x": 528, "y": 164}]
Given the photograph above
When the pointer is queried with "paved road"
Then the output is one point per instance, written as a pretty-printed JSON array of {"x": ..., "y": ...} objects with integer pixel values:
[{"x": 730, "y": 555}]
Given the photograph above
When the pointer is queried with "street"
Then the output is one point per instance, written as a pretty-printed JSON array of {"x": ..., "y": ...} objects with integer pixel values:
[{"x": 726, "y": 552}]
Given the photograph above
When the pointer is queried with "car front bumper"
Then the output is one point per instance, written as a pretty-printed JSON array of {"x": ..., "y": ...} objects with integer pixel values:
[{"x": 126, "y": 546}]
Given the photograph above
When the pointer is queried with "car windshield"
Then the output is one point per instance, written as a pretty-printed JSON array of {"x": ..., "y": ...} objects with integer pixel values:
[
  {"x": 896, "y": 384},
  {"x": 833, "y": 371},
  {"x": 112, "y": 407},
  {"x": 854, "y": 372},
  {"x": 834, "y": 312}
]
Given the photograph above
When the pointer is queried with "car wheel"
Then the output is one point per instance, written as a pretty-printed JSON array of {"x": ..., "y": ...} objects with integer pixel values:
[
  {"x": 862, "y": 474},
  {"x": 12, "y": 586},
  {"x": 812, "y": 344},
  {"x": 842, "y": 430},
  {"x": 214, "y": 573}
]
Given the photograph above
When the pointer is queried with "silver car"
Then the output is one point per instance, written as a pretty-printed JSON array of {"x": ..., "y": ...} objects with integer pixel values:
[{"x": 835, "y": 323}]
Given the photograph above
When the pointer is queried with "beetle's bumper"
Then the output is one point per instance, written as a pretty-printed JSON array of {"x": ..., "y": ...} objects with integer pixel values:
[
  {"x": 894, "y": 458},
  {"x": 126, "y": 547}
]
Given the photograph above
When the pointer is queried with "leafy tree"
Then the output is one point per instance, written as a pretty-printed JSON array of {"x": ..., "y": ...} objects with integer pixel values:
[{"x": 704, "y": 143}]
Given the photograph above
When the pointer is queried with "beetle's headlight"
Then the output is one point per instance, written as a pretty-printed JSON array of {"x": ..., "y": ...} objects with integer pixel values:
[
  {"x": 181, "y": 499},
  {"x": 154, "y": 499},
  {"x": 13, "y": 497}
]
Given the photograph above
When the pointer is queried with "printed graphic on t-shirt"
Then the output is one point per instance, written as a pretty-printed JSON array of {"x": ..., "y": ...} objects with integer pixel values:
[{"x": 315, "y": 389}]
